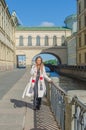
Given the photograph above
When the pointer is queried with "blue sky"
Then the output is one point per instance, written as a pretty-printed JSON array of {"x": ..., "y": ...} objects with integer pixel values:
[
  {"x": 46, "y": 56},
  {"x": 42, "y": 12}
]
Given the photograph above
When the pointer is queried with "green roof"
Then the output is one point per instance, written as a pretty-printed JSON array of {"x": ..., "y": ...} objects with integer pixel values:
[{"x": 21, "y": 28}]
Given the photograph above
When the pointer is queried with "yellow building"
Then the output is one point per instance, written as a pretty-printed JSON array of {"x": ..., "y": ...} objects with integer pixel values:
[
  {"x": 7, "y": 38},
  {"x": 81, "y": 36},
  {"x": 30, "y": 41}
]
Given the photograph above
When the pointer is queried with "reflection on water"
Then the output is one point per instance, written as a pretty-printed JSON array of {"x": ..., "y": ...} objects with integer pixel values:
[
  {"x": 71, "y": 84},
  {"x": 67, "y": 83},
  {"x": 54, "y": 74}
]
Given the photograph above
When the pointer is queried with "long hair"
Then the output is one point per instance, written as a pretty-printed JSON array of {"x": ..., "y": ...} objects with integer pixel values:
[{"x": 41, "y": 65}]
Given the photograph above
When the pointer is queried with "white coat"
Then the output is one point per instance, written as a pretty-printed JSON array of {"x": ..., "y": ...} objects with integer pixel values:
[
  {"x": 41, "y": 81},
  {"x": 29, "y": 90}
]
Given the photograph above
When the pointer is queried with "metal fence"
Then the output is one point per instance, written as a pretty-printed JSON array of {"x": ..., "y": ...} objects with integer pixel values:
[
  {"x": 74, "y": 67},
  {"x": 80, "y": 115},
  {"x": 56, "y": 97}
]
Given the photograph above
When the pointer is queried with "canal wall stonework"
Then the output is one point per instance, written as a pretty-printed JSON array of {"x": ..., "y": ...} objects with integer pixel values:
[{"x": 74, "y": 73}]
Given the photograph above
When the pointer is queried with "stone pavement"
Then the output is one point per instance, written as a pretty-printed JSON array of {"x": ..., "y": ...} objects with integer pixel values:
[{"x": 18, "y": 114}]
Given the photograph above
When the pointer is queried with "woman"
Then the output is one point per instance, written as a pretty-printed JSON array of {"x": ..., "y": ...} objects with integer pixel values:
[{"x": 38, "y": 74}]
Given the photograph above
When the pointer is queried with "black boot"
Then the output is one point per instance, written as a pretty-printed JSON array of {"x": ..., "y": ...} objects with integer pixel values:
[{"x": 38, "y": 103}]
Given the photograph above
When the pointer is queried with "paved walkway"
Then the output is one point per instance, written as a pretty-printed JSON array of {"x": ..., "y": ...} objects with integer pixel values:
[{"x": 18, "y": 114}]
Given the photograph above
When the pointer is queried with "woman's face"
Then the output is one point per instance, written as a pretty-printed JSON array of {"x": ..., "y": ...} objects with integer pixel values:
[{"x": 38, "y": 61}]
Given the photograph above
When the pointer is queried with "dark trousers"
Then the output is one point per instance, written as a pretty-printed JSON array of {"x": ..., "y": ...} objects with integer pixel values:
[{"x": 37, "y": 100}]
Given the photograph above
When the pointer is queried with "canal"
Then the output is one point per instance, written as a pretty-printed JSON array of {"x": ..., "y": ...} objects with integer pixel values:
[{"x": 66, "y": 83}]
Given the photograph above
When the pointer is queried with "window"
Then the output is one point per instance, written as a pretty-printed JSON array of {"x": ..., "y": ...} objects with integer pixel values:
[
  {"x": 85, "y": 39},
  {"x": 2, "y": 18},
  {"x": 79, "y": 24},
  {"x": 79, "y": 41},
  {"x": 29, "y": 41},
  {"x": 38, "y": 41},
  {"x": 85, "y": 4},
  {"x": 63, "y": 40},
  {"x": 85, "y": 57},
  {"x": 2, "y": 21},
  {"x": 46, "y": 41},
  {"x": 79, "y": 58},
  {"x": 55, "y": 41},
  {"x": 85, "y": 20},
  {"x": 21, "y": 41},
  {"x": 79, "y": 7}
]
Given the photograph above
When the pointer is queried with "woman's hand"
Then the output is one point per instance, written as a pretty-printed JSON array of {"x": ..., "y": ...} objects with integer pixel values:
[{"x": 51, "y": 81}]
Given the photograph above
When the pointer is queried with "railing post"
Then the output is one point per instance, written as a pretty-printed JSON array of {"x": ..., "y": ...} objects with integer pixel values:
[
  {"x": 75, "y": 118},
  {"x": 80, "y": 115},
  {"x": 82, "y": 122}
]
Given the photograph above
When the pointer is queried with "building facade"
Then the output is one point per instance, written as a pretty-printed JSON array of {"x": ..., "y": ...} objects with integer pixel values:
[
  {"x": 71, "y": 49},
  {"x": 7, "y": 38},
  {"x": 30, "y": 41},
  {"x": 71, "y": 22},
  {"x": 81, "y": 36}
]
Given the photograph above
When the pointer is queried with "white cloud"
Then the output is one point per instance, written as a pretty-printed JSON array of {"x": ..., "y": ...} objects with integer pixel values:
[{"x": 47, "y": 24}]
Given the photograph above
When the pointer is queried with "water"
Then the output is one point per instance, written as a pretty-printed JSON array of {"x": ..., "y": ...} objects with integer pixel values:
[
  {"x": 54, "y": 74},
  {"x": 71, "y": 84},
  {"x": 66, "y": 83}
]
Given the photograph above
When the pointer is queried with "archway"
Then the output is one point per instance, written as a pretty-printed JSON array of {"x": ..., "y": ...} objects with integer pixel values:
[{"x": 52, "y": 56}]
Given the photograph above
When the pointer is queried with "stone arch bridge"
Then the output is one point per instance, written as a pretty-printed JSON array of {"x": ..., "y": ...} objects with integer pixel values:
[{"x": 60, "y": 52}]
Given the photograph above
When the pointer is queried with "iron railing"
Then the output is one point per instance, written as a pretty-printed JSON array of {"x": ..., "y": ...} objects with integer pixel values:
[
  {"x": 74, "y": 67},
  {"x": 56, "y": 97},
  {"x": 80, "y": 115}
]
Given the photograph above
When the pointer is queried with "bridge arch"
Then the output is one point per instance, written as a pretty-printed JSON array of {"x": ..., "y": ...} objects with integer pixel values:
[
  {"x": 58, "y": 51},
  {"x": 57, "y": 57}
]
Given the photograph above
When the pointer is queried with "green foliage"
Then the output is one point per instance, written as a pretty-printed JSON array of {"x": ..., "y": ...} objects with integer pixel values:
[{"x": 53, "y": 62}]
